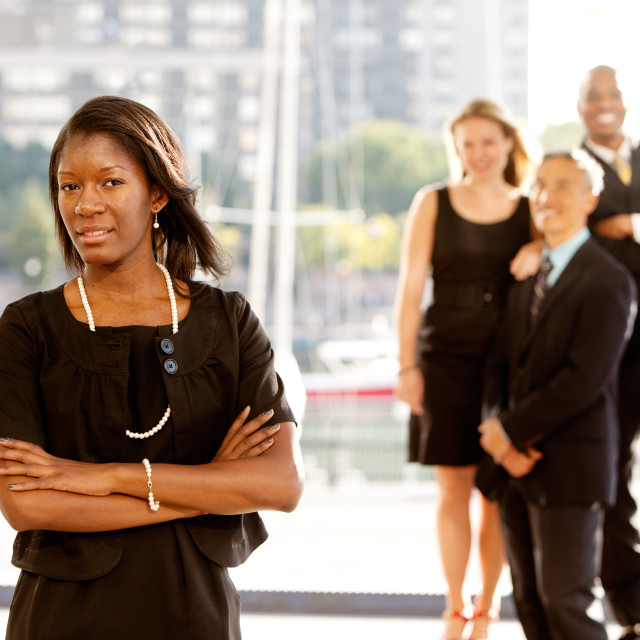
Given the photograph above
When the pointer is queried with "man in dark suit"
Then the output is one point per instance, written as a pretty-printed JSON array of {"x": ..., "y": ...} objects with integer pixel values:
[
  {"x": 556, "y": 434},
  {"x": 616, "y": 225}
]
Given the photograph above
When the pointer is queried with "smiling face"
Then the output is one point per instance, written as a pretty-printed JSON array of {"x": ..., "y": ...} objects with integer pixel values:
[
  {"x": 105, "y": 201},
  {"x": 602, "y": 108},
  {"x": 482, "y": 147},
  {"x": 561, "y": 200}
]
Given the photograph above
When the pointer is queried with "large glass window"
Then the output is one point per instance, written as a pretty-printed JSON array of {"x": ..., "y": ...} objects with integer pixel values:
[
  {"x": 46, "y": 108},
  {"x": 229, "y": 13},
  {"x": 151, "y": 13},
  {"x": 134, "y": 36},
  {"x": 208, "y": 37},
  {"x": 34, "y": 79},
  {"x": 411, "y": 39},
  {"x": 90, "y": 12}
]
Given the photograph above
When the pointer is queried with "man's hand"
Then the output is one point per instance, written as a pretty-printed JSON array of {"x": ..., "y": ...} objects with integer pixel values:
[
  {"x": 493, "y": 439},
  {"x": 618, "y": 226},
  {"x": 518, "y": 464}
]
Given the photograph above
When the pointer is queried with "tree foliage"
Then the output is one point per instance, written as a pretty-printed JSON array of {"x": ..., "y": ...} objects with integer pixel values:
[
  {"x": 378, "y": 168},
  {"x": 17, "y": 165},
  {"x": 562, "y": 136},
  {"x": 373, "y": 245},
  {"x": 32, "y": 237},
  {"x": 23, "y": 189}
]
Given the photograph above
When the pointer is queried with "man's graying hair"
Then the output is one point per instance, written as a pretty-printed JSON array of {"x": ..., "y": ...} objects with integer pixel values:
[{"x": 589, "y": 166}]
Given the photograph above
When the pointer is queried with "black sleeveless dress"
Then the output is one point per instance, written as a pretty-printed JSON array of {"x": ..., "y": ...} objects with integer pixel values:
[{"x": 470, "y": 277}]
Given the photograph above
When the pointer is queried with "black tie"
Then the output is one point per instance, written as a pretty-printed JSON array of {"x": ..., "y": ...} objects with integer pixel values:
[{"x": 540, "y": 289}]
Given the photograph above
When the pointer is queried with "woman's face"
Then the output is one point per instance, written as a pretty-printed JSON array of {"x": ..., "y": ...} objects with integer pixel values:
[
  {"x": 106, "y": 203},
  {"x": 482, "y": 147}
]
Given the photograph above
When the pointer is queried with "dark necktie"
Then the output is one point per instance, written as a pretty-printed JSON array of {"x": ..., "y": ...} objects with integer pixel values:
[{"x": 540, "y": 289}]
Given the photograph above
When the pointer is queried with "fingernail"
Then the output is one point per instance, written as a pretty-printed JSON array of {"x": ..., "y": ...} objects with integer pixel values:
[
  {"x": 268, "y": 412},
  {"x": 4, "y": 439},
  {"x": 275, "y": 426},
  {"x": 246, "y": 409},
  {"x": 268, "y": 441},
  {"x": 11, "y": 486}
]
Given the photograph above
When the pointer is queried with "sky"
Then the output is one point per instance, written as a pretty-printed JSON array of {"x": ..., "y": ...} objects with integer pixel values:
[{"x": 569, "y": 37}]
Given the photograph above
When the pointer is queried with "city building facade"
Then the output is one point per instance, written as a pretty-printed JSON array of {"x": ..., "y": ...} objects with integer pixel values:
[{"x": 201, "y": 65}]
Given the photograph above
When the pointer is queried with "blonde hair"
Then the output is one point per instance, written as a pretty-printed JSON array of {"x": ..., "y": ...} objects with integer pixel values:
[{"x": 519, "y": 165}]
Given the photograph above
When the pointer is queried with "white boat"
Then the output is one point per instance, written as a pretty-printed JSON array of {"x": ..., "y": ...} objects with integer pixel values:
[{"x": 364, "y": 367}]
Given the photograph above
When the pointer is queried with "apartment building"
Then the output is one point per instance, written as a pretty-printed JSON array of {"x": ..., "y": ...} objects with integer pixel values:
[{"x": 200, "y": 64}]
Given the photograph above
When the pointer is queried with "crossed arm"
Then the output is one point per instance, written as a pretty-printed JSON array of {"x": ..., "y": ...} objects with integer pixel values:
[
  {"x": 618, "y": 226},
  {"x": 255, "y": 469}
]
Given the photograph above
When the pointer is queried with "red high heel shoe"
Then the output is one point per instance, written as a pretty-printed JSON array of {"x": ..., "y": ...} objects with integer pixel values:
[
  {"x": 456, "y": 621},
  {"x": 482, "y": 620}
]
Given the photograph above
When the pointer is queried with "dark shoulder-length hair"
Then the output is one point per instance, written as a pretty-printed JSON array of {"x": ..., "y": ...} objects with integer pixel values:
[
  {"x": 519, "y": 165},
  {"x": 184, "y": 241}
]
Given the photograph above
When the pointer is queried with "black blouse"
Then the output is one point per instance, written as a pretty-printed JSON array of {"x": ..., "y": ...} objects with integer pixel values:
[{"x": 67, "y": 389}]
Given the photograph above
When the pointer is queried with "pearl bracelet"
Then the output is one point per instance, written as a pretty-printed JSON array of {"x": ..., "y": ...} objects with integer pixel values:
[{"x": 154, "y": 505}]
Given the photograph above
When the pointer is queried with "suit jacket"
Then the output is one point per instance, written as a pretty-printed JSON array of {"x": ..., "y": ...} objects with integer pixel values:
[
  {"x": 619, "y": 198},
  {"x": 559, "y": 378}
]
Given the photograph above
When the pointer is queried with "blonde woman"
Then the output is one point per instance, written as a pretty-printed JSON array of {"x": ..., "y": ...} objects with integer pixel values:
[{"x": 464, "y": 233}]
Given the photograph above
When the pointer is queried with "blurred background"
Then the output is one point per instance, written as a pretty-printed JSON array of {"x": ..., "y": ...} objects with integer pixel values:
[{"x": 309, "y": 125}]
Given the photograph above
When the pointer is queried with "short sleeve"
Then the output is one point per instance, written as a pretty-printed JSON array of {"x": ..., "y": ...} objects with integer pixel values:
[
  {"x": 20, "y": 398},
  {"x": 259, "y": 384}
]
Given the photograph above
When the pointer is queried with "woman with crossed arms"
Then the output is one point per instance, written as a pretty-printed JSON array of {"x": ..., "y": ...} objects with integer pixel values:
[{"x": 142, "y": 422}]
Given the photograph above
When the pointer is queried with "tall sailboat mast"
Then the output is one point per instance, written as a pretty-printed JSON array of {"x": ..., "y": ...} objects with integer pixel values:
[
  {"x": 263, "y": 185},
  {"x": 282, "y": 25}
]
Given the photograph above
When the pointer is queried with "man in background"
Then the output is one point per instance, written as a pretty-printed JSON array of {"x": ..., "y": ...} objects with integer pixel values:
[
  {"x": 616, "y": 225},
  {"x": 555, "y": 432}
]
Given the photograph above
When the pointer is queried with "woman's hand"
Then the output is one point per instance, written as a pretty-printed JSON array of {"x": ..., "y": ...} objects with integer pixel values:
[
  {"x": 247, "y": 440},
  {"x": 44, "y": 471},
  {"x": 410, "y": 389},
  {"x": 527, "y": 261}
]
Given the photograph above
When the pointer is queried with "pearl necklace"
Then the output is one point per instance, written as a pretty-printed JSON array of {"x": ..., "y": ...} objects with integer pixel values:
[{"x": 174, "y": 323}]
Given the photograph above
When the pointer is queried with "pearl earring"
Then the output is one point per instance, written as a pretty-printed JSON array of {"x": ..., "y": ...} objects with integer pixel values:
[{"x": 156, "y": 224}]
